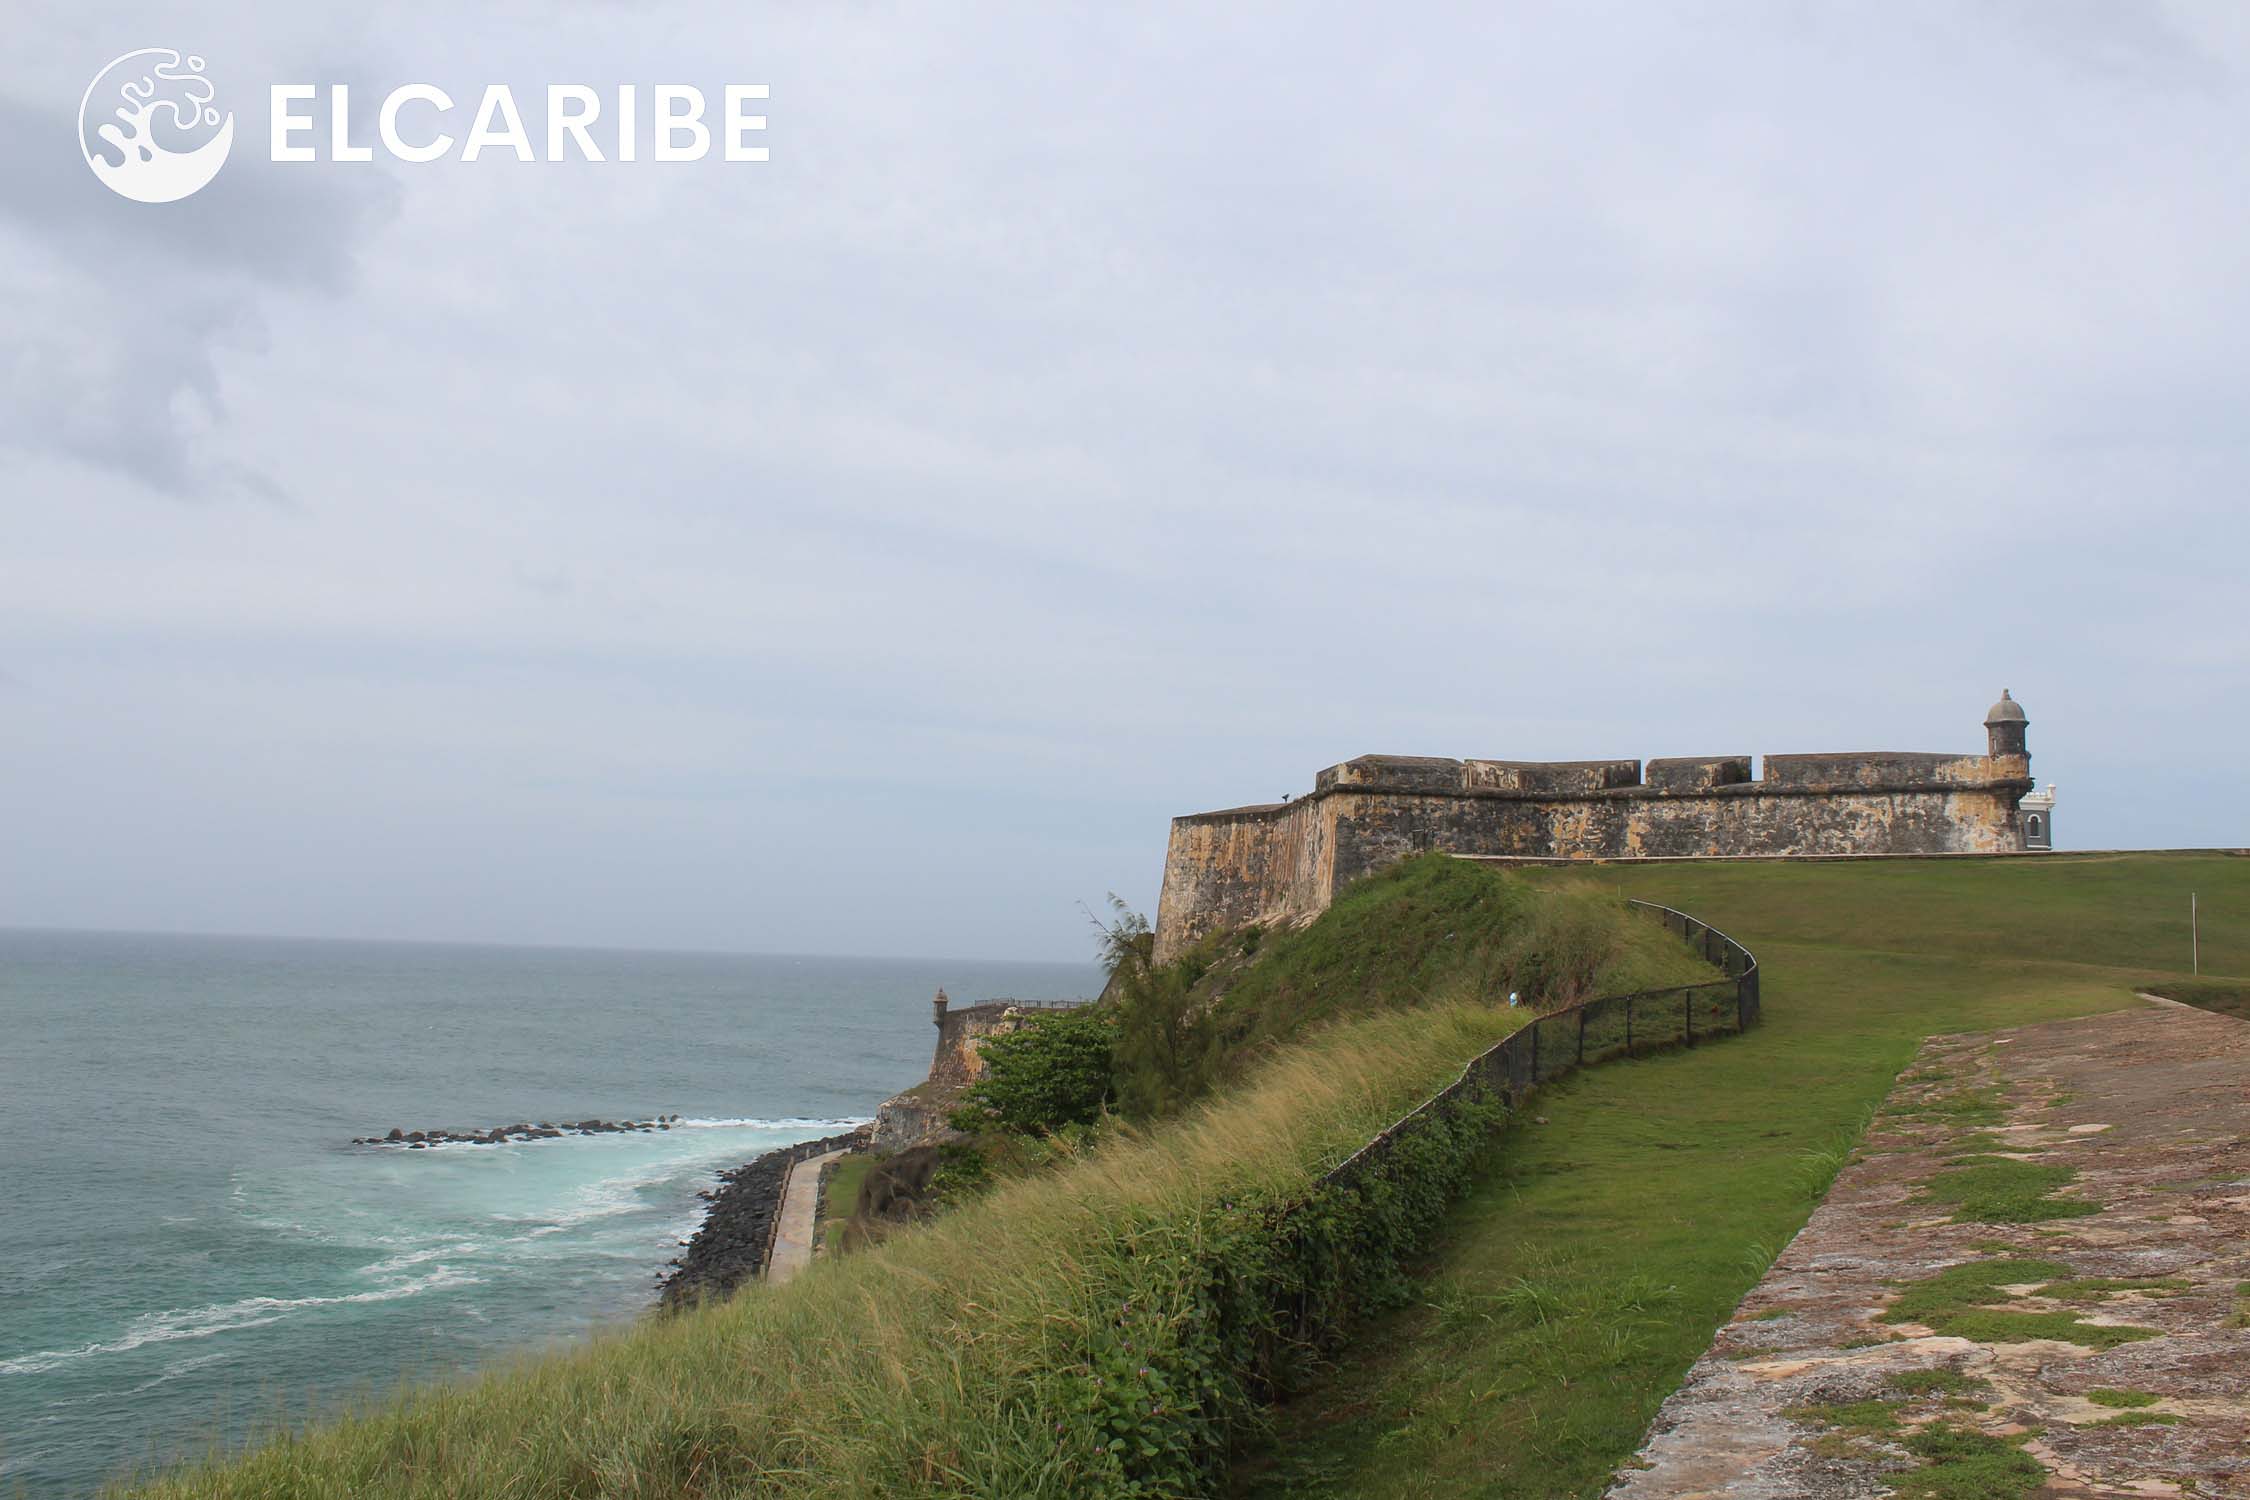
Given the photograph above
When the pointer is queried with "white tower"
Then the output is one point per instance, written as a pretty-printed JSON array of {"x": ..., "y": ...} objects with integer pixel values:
[{"x": 2039, "y": 818}]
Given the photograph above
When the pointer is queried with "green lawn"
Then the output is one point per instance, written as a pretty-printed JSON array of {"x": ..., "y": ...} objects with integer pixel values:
[
  {"x": 839, "y": 1197},
  {"x": 1603, "y": 1247}
]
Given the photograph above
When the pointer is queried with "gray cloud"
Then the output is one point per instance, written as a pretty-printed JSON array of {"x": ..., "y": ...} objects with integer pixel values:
[
  {"x": 1089, "y": 416},
  {"x": 122, "y": 321}
]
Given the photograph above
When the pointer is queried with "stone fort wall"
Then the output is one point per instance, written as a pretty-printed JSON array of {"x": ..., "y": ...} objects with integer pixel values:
[
  {"x": 1283, "y": 862},
  {"x": 920, "y": 1114}
]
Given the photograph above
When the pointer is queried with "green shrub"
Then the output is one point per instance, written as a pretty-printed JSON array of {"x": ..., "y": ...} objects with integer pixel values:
[
  {"x": 1217, "y": 1308},
  {"x": 1053, "y": 1073}
]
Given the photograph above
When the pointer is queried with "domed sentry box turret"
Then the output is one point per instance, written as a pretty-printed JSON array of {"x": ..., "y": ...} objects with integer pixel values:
[{"x": 2004, "y": 725}]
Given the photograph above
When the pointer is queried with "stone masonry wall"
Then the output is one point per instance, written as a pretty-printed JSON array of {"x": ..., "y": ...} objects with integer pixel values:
[
  {"x": 920, "y": 1114},
  {"x": 1284, "y": 862}
]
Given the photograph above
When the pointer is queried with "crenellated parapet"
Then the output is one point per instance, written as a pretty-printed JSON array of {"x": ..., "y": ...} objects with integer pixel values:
[{"x": 1284, "y": 861}]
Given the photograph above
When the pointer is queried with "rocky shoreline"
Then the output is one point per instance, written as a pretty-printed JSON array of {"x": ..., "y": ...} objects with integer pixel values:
[
  {"x": 737, "y": 1233},
  {"x": 421, "y": 1140}
]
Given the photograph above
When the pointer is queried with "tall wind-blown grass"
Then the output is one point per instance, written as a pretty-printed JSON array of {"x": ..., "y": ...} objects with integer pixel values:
[{"x": 1102, "y": 1329}]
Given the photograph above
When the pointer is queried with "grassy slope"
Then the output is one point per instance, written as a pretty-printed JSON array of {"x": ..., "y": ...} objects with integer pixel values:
[
  {"x": 901, "y": 1369},
  {"x": 2229, "y": 997},
  {"x": 1437, "y": 928},
  {"x": 1590, "y": 1269}
]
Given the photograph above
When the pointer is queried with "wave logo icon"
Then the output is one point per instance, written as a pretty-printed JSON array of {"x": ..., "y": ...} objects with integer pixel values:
[{"x": 147, "y": 127}]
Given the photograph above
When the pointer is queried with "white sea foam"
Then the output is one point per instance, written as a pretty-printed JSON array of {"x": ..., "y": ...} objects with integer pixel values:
[
  {"x": 172, "y": 1372},
  {"x": 790, "y": 1124},
  {"x": 225, "y": 1317},
  {"x": 607, "y": 1197},
  {"x": 401, "y": 1261}
]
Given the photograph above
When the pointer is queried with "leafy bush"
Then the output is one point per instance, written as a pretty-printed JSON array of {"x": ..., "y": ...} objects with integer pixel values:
[
  {"x": 1052, "y": 1073},
  {"x": 1220, "y": 1305}
]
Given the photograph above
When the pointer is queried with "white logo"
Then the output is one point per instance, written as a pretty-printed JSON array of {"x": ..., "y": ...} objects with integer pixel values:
[{"x": 147, "y": 128}]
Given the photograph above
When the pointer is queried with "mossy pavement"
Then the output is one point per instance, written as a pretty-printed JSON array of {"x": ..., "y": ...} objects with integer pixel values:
[{"x": 2062, "y": 1331}]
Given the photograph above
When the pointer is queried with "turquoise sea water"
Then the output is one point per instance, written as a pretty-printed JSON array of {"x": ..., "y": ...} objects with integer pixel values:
[{"x": 191, "y": 1249}]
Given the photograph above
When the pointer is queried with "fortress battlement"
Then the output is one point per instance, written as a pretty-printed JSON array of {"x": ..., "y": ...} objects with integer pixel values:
[{"x": 1284, "y": 861}]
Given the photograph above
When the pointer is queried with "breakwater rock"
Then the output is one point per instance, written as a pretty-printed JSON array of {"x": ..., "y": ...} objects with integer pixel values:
[
  {"x": 421, "y": 1140},
  {"x": 737, "y": 1231}
]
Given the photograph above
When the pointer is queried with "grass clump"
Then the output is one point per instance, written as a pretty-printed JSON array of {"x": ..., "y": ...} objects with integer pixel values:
[
  {"x": 1987, "y": 1106},
  {"x": 1961, "y": 1465},
  {"x": 1940, "y": 1382},
  {"x": 1857, "y": 1418},
  {"x": 2100, "y": 1288},
  {"x": 2000, "y": 1191},
  {"x": 1976, "y": 1143},
  {"x": 2136, "y": 1419},
  {"x": 1970, "y": 1301},
  {"x": 2110, "y": 1396}
]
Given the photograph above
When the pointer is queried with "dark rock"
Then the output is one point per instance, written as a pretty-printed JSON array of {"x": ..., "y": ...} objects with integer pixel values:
[
  {"x": 395, "y": 1135},
  {"x": 730, "y": 1248},
  {"x": 417, "y": 1146}
]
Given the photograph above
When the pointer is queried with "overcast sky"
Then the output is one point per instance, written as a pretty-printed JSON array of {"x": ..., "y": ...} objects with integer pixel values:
[{"x": 1092, "y": 414}]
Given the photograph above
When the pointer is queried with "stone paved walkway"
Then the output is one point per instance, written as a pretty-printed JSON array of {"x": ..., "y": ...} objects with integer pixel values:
[
  {"x": 1824, "y": 1385},
  {"x": 793, "y": 1230}
]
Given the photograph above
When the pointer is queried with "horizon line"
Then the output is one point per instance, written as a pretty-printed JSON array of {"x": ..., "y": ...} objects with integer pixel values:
[{"x": 48, "y": 929}]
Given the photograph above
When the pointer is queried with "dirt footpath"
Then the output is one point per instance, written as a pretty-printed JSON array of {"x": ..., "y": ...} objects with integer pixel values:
[{"x": 2032, "y": 1280}]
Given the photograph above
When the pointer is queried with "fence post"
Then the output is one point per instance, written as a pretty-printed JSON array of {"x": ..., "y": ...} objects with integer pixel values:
[
  {"x": 1687, "y": 1013},
  {"x": 1534, "y": 1049},
  {"x": 1582, "y": 1036}
]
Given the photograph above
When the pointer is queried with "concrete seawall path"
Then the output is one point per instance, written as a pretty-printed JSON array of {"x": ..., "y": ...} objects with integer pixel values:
[{"x": 800, "y": 1213}]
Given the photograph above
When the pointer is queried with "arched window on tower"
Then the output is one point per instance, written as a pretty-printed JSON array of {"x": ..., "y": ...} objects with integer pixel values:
[{"x": 2033, "y": 827}]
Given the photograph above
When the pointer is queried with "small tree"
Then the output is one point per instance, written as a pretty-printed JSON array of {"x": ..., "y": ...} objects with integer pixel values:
[
  {"x": 1161, "y": 1052},
  {"x": 1052, "y": 1073},
  {"x": 1126, "y": 946}
]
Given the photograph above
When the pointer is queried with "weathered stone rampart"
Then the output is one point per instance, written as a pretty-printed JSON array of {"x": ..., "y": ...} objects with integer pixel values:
[
  {"x": 920, "y": 1114},
  {"x": 1284, "y": 861}
]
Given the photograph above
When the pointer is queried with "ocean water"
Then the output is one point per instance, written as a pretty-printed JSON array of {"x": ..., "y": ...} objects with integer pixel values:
[{"x": 192, "y": 1251}]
